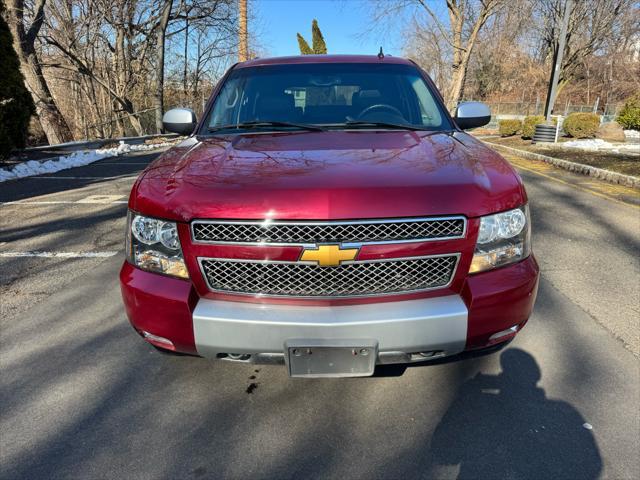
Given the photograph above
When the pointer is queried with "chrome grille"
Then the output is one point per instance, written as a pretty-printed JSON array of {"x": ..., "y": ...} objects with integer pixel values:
[
  {"x": 350, "y": 279},
  {"x": 364, "y": 231}
]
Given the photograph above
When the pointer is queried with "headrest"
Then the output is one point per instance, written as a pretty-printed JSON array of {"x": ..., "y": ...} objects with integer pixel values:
[
  {"x": 279, "y": 106},
  {"x": 366, "y": 94}
]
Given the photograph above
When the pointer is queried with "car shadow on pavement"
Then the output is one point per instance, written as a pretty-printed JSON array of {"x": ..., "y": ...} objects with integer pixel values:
[{"x": 512, "y": 430}]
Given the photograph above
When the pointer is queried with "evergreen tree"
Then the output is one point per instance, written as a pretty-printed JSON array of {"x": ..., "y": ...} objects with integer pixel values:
[
  {"x": 16, "y": 105},
  {"x": 319, "y": 47},
  {"x": 305, "y": 49}
]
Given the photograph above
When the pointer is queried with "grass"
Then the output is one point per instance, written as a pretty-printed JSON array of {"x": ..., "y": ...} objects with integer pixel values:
[{"x": 625, "y": 163}]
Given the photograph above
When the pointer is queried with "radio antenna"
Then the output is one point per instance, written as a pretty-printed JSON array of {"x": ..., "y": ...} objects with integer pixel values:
[{"x": 380, "y": 54}]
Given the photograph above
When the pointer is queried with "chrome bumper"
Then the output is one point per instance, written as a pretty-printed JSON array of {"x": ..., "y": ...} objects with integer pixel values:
[{"x": 405, "y": 331}]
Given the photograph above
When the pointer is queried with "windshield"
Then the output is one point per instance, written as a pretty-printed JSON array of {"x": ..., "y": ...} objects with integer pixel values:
[{"x": 332, "y": 95}]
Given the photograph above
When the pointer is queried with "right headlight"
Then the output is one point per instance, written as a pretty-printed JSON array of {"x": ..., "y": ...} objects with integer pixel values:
[
  {"x": 153, "y": 245},
  {"x": 503, "y": 238}
]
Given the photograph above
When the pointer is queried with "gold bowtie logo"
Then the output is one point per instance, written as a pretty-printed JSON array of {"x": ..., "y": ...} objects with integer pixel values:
[{"x": 328, "y": 255}]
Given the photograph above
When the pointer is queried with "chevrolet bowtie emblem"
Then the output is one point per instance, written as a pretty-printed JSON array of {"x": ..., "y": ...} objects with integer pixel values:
[{"x": 328, "y": 255}]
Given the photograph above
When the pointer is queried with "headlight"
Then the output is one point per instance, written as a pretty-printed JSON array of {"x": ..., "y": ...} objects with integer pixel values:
[
  {"x": 503, "y": 238},
  {"x": 153, "y": 245}
]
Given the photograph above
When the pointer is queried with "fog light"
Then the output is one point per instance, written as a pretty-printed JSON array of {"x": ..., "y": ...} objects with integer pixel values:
[{"x": 158, "y": 341}]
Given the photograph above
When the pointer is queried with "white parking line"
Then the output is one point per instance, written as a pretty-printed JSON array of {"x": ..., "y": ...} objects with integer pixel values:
[
  {"x": 102, "y": 199},
  {"x": 59, "y": 254}
]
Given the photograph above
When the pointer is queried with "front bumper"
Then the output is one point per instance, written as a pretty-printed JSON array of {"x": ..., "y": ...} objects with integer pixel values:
[
  {"x": 404, "y": 331},
  {"x": 409, "y": 327}
]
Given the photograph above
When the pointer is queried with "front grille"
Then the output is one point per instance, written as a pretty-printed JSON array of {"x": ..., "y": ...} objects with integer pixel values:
[
  {"x": 329, "y": 232},
  {"x": 351, "y": 279}
]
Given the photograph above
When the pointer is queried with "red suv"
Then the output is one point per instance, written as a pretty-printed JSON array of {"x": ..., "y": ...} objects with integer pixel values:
[{"x": 329, "y": 214}]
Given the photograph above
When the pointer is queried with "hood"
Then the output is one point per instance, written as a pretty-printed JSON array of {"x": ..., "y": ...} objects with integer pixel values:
[{"x": 327, "y": 176}]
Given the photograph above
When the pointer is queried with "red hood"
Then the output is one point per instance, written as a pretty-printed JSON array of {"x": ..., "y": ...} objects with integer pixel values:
[{"x": 327, "y": 176}]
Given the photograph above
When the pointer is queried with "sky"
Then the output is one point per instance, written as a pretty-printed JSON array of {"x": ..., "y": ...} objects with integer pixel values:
[{"x": 345, "y": 25}]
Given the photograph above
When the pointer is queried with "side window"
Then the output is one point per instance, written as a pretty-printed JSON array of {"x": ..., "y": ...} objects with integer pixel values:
[
  {"x": 429, "y": 112},
  {"x": 227, "y": 104}
]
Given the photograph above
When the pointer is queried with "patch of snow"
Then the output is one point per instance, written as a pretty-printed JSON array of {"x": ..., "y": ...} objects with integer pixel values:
[
  {"x": 632, "y": 133},
  {"x": 75, "y": 159},
  {"x": 597, "y": 144}
]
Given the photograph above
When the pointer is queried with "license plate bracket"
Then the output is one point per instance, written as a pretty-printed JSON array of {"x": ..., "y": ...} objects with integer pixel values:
[{"x": 331, "y": 358}]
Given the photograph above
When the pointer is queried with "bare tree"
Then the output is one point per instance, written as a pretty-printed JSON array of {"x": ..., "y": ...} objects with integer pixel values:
[
  {"x": 214, "y": 14},
  {"x": 161, "y": 32},
  {"x": 466, "y": 18},
  {"x": 591, "y": 24},
  {"x": 24, "y": 37}
]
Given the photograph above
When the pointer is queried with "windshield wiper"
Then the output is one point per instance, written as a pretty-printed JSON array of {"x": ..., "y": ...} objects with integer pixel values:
[
  {"x": 398, "y": 126},
  {"x": 258, "y": 124}
]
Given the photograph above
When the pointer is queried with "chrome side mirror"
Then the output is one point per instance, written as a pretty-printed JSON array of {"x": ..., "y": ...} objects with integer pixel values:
[
  {"x": 472, "y": 115},
  {"x": 180, "y": 120}
]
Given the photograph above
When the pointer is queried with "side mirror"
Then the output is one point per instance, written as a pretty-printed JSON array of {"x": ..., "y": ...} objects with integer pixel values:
[
  {"x": 472, "y": 115},
  {"x": 179, "y": 120}
]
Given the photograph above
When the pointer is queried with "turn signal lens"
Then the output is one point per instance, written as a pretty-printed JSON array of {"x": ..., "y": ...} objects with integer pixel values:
[
  {"x": 494, "y": 258},
  {"x": 158, "y": 262}
]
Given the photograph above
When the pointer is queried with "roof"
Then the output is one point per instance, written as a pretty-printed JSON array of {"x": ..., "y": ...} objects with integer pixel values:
[{"x": 323, "y": 59}]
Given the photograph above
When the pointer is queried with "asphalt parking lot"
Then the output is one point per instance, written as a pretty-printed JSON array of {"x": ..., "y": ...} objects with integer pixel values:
[{"x": 82, "y": 396}]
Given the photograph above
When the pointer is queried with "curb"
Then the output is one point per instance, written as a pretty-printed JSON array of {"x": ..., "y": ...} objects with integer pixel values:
[{"x": 600, "y": 173}]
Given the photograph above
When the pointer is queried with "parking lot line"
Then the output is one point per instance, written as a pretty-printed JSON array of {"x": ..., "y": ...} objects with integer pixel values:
[{"x": 45, "y": 254}]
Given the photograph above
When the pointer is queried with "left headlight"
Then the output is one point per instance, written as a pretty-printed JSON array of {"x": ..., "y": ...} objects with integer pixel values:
[
  {"x": 153, "y": 245},
  {"x": 503, "y": 238}
]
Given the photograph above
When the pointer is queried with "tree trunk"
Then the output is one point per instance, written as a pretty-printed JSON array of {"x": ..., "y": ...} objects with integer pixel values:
[
  {"x": 186, "y": 60},
  {"x": 160, "y": 41},
  {"x": 462, "y": 50},
  {"x": 53, "y": 123},
  {"x": 243, "y": 43}
]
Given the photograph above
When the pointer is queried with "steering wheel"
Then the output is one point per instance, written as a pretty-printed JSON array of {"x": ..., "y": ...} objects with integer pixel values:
[{"x": 381, "y": 107}]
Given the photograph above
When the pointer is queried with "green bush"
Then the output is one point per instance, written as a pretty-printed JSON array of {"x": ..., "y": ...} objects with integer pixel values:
[
  {"x": 16, "y": 105},
  {"x": 509, "y": 127},
  {"x": 629, "y": 116},
  {"x": 581, "y": 125},
  {"x": 529, "y": 125}
]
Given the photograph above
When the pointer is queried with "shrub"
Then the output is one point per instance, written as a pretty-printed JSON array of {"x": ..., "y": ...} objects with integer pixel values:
[
  {"x": 629, "y": 116},
  {"x": 581, "y": 125},
  {"x": 509, "y": 127},
  {"x": 529, "y": 125},
  {"x": 16, "y": 106}
]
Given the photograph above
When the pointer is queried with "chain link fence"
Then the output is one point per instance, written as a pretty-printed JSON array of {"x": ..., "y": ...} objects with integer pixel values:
[
  {"x": 499, "y": 110},
  {"x": 519, "y": 110}
]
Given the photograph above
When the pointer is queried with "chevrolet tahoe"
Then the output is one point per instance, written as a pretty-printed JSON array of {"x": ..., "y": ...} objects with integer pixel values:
[{"x": 327, "y": 213}]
